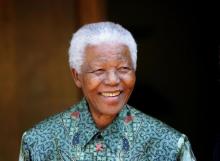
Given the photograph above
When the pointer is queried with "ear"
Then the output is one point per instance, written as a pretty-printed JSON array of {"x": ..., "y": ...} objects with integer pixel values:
[{"x": 76, "y": 78}]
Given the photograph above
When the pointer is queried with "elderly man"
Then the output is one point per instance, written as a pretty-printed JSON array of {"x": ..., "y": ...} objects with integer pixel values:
[{"x": 102, "y": 126}]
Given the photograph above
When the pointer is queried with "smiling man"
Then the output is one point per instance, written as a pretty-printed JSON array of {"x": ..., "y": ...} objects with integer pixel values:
[
  {"x": 102, "y": 126},
  {"x": 107, "y": 79}
]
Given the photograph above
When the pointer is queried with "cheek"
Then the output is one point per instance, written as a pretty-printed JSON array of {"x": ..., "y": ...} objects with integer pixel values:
[
  {"x": 130, "y": 81},
  {"x": 91, "y": 84}
]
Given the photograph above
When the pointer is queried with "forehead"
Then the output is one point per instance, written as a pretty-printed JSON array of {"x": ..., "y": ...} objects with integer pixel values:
[{"x": 106, "y": 52}]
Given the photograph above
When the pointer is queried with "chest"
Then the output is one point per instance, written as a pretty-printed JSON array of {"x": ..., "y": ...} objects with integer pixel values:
[{"x": 112, "y": 150}]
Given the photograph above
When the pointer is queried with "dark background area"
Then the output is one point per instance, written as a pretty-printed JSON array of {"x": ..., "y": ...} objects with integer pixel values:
[{"x": 178, "y": 65}]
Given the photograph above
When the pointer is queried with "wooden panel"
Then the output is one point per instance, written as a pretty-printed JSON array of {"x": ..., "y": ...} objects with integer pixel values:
[
  {"x": 35, "y": 79},
  {"x": 88, "y": 11},
  {"x": 8, "y": 114}
]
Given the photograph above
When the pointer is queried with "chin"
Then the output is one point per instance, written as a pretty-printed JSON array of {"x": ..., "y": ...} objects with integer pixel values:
[{"x": 111, "y": 110}]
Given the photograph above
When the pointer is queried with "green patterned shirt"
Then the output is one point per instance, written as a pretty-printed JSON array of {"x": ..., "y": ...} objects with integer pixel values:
[{"x": 133, "y": 135}]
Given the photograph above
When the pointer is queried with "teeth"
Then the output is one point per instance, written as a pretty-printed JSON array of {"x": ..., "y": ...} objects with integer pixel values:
[{"x": 110, "y": 94}]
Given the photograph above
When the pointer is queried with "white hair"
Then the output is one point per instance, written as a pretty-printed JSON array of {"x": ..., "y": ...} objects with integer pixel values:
[{"x": 97, "y": 33}]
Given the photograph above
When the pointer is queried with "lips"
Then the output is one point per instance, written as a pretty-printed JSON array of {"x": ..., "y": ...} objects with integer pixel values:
[{"x": 111, "y": 94}]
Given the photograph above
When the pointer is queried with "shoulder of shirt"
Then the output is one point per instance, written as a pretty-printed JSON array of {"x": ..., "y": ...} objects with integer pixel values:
[
  {"x": 50, "y": 126},
  {"x": 150, "y": 129},
  {"x": 153, "y": 125}
]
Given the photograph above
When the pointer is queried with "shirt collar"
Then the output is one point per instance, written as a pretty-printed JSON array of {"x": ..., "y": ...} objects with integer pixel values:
[
  {"x": 81, "y": 127},
  {"x": 86, "y": 125}
]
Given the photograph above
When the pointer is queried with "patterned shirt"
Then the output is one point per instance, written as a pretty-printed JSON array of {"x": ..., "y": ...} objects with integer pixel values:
[{"x": 73, "y": 136}]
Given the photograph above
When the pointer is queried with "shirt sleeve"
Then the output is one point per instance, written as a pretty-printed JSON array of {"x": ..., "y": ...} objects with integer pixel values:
[
  {"x": 185, "y": 150},
  {"x": 24, "y": 150}
]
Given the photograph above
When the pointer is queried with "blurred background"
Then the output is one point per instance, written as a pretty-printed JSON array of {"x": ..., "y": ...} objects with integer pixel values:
[{"x": 178, "y": 63}]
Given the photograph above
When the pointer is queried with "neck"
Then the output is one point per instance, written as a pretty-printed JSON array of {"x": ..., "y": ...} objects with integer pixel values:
[{"x": 102, "y": 121}]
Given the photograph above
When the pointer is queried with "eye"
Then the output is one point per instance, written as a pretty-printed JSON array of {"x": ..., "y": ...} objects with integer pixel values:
[
  {"x": 98, "y": 71},
  {"x": 124, "y": 69}
]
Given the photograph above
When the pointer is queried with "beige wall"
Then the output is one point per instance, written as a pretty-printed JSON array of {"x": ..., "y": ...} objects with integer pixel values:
[{"x": 35, "y": 80}]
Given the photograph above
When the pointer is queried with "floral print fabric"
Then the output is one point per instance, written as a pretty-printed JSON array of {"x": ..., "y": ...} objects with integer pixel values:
[{"x": 133, "y": 135}]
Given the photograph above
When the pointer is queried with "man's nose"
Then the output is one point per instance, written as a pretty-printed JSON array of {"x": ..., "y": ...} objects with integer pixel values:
[{"x": 112, "y": 78}]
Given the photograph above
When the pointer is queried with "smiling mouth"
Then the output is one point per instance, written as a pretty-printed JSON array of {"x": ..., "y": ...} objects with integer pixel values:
[{"x": 110, "y": 94}]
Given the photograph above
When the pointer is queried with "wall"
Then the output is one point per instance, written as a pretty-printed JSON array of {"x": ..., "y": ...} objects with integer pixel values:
[
  {"x": 35, "y": 80},
  {"x": 178, "y": 64}
]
